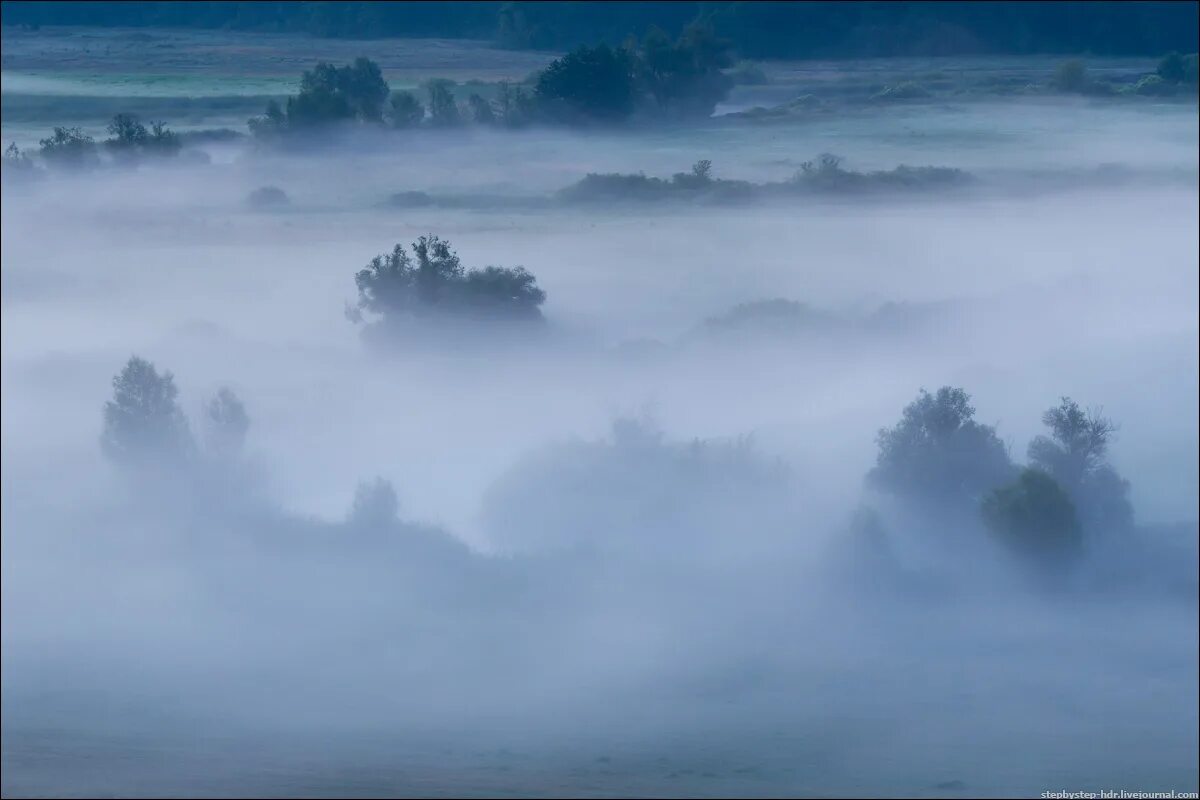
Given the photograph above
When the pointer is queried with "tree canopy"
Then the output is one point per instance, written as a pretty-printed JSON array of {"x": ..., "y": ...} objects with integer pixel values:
[{"x": 938, "y": 453}]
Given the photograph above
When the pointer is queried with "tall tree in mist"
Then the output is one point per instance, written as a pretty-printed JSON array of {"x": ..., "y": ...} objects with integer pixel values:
[
  {"x": 226, "y": 424},
  {"x": 143, "y": 424},
  {"x": 938, "y": 454},
  {"x": 1075, "y": 454}
]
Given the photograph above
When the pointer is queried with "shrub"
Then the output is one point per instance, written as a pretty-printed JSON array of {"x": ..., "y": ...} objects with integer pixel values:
[{"x": 1033, "y": 517}]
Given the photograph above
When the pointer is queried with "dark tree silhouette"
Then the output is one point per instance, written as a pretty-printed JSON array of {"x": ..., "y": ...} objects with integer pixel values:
[
  {"x": 939, "y": 454},
  {"x": 1034, "y": 517}
]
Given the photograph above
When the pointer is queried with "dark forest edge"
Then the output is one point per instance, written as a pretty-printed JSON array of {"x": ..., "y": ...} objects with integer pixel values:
[{"x": 756, "y": 29}]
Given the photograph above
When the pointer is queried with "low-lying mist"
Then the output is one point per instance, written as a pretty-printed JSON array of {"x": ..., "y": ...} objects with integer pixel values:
[{"x": 624, "y": 538}]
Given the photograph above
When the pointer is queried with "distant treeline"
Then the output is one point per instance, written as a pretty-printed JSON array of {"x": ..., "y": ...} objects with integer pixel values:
[{"x": 756, "y": 29}]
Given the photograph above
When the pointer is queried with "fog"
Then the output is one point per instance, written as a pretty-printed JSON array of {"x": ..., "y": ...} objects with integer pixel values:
[{"x": 570, "y": 599}]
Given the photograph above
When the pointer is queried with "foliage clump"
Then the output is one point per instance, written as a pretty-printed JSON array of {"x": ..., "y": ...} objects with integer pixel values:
[
  {"x": 938, "y": 454},
  {"x": 432, "y": 281},
  {"x": 129, "y": 139},
  {"x": 1034, "y": 517},
  {"x": 69, "y": 148}
]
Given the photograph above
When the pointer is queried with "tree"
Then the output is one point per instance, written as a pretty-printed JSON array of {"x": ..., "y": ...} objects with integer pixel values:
[
  {"x": 684, "y": 78},
  {"x": 433, "y": 280},
  {"x": 129, "y": 138},
  {"x": 162, "y": 141},
  {"x": 143, "y": 424},
  {"x": 1175, "y": 68},
  {"x": 405, "y": 110},
  {"x": 126, "y": 133},
  {"x": 516, "y": 106},
  {"x": 938, "y": 454},
  {"x": 70, "y": 148},
  {"x": 226, "y": 424},
  {"x": 1034, "y": 517},
  {"x": 15, "y": 159},
  {"x": 443, "y": 110},
  {"x": 589, "y": 84},
  {"x": 1071, "y": 76},
  {"x": 1074, "y": 454},
  {"x": 328, "y": 94},
  {"x": 481, "y": 110}
]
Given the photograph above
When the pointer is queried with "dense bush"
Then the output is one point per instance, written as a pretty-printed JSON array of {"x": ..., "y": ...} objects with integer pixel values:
[
  {"x": 432, "y": 280},
  {"x": 1034, "y": 517}
]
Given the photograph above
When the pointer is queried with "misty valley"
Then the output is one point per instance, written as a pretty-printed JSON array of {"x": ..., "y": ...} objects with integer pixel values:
[{"x": 418, "y": 416}]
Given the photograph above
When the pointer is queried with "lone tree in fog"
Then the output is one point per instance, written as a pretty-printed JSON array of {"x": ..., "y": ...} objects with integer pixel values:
[
  {"x": 143, "y": 423},
  {"x": 1034, "y": 517},
  {"x": 432, "y": 280},
  {"x": 226, "y": 424},
  {"x": 1074, "y": 454},
  {"x": 939, "y": 454}
]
